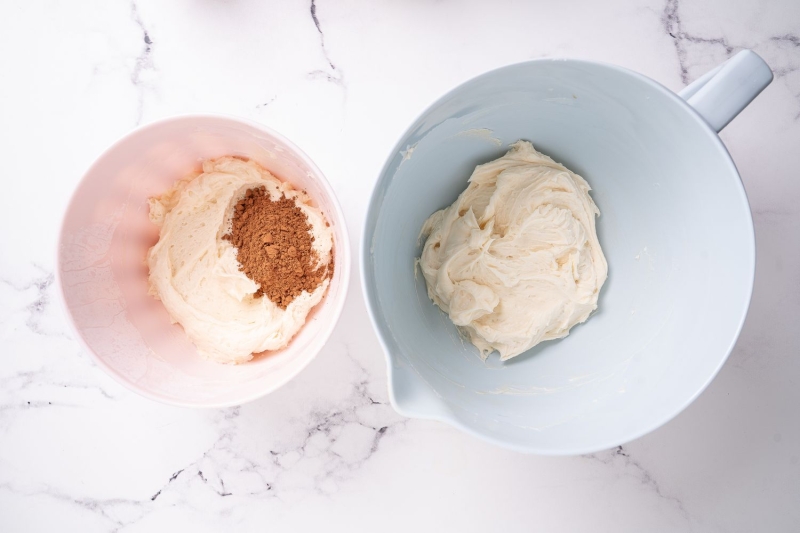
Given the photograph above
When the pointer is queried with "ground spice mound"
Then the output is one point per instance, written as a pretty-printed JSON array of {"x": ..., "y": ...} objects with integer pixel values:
[{"x": 273, "y": 239}]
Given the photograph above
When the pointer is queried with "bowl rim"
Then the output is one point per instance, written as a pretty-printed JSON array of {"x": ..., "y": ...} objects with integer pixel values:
[
  {"x": 369, "y": 294},
  {"x": 343, "y": 244}
]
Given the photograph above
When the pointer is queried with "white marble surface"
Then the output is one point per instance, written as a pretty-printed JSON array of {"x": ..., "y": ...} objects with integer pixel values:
[{"x": 343, "y": 78}]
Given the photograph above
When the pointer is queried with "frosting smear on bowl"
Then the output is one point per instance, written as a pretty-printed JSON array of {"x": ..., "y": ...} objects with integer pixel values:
[
  {"x": 516, "y": 260},
  {"x": 195, "y": 270}
]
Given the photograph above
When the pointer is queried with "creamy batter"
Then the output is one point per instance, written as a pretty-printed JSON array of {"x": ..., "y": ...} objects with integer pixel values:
[
  {"x": 515, "y": 260},
  {"x": 194, "y": 271}
]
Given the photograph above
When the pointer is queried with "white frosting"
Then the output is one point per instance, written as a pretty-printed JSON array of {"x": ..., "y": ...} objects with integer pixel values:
[
  {"x": 515, "y": 260},
  {"x": 194, "y": 271}
]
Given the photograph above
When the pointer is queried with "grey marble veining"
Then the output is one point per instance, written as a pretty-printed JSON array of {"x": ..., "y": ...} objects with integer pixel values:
[
  {"x": 335, "y": 76},
  {"x": 143, "y": 68}
]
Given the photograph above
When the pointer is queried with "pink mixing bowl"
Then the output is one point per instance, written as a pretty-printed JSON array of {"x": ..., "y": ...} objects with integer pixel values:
[{"x": 102, "y": 276}]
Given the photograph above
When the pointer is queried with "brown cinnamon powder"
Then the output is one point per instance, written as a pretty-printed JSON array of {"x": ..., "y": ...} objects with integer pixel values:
[{"x": 274, "y": 240}]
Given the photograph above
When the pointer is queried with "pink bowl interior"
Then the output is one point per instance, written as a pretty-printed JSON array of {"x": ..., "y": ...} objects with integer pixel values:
[{"x": 106, "y": 234}]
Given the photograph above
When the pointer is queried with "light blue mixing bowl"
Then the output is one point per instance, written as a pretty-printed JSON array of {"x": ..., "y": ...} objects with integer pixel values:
[{"x": 675, "y": 228}]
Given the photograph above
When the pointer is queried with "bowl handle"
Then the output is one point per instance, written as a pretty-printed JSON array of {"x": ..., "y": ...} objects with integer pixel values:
[{"x": 722, "y": 93}]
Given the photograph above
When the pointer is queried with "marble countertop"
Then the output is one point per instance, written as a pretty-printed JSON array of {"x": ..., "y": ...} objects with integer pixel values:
[{"x": 343, "y": 79}]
